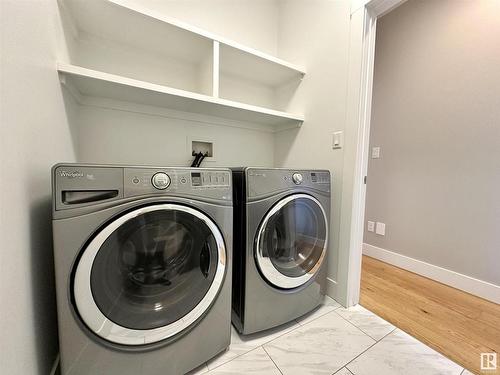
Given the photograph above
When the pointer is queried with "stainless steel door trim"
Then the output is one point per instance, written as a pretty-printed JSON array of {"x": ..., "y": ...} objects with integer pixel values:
[
  {"x": 110, "y": 331},
  {"x": 264, "y": 262}
]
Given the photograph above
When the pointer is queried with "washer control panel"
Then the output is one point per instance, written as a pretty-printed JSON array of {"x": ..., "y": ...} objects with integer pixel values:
[
  {"x": 82, "y": 185},
  {"x": 320, "y": 177},
  {"x": 160, "y": 180},
  {"x": 209, "y": 179},
  {"x": 209, "y": 182}
]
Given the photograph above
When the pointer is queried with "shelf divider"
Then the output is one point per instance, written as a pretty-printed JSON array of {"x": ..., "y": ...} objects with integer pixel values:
[{"x": 216, "y": 69}]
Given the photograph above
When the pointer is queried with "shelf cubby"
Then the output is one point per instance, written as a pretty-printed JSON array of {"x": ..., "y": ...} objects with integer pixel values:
[
  {"x": 252, "y": 79},
  {"x": 129, "y": 53}
]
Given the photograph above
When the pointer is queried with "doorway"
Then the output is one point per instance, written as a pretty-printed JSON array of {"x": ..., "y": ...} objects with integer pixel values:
[{"x": 428, "y": 130}]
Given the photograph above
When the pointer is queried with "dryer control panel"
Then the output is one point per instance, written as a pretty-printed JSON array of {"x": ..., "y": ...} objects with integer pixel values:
[{"x": 263, "y": 181}]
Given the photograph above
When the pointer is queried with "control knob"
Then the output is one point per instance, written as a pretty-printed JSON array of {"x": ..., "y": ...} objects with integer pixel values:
[
  {"x": 160, "y": 180},
  {"x": 297, "y": 178}
]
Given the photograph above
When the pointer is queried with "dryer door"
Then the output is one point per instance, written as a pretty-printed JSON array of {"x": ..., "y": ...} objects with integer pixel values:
[
  {"x": 149, "y": 274},
  {"x": 291, "y": 241}
]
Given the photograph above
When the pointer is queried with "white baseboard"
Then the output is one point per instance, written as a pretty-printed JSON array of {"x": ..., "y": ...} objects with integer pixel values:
[{"x": 468, "y": 284}]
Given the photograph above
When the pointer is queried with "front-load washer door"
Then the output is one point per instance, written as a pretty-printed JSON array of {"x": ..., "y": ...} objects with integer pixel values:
[
  {"x": 149, "y": 274},
  {"x": 291, "y": 241}
]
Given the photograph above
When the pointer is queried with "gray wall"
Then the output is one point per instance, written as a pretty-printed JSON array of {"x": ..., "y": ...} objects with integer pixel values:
[
  {"x": 34, "y": 135},
  {"x": 321, "y": 44},
  {"x": 436, "y": 117}
]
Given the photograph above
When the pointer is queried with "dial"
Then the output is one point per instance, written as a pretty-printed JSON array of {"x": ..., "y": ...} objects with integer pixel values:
[
  {"x": 160, "y": 180},
  {"x": 297, "y": 178}
]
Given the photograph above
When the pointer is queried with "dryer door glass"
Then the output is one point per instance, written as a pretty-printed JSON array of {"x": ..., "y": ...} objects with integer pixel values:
[
  {"x": 155, "y": 268},
  {"x": 292, "y": 241}
]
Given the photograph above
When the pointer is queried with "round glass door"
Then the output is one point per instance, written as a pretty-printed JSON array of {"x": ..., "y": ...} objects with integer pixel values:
[
  {"x": 291, "y": 241},
  {"x": 149, "y": 274}
]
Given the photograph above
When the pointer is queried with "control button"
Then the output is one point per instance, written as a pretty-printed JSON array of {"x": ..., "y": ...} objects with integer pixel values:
[
  {"x": 160, "y": 180},
  {"x": 297, "y": 178},
  {"x": 183, "y": 180},
  {"x": 136, "y": 180}
]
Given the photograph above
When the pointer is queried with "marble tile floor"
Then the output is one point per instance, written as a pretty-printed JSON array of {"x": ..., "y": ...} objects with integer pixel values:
[{"x": 330, "y": 340}]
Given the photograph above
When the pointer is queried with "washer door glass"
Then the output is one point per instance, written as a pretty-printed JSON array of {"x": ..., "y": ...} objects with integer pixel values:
[
  {"x": 291, "y": 242},
  {"x": 151, "y": 271}
]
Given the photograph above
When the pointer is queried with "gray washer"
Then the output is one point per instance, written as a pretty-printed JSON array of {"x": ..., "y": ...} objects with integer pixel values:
[
  {"x": 143, "y": 267},
  {"x": 281, "y": 221}
]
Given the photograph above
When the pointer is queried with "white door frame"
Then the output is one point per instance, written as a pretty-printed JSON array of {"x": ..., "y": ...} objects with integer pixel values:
[{"x": 364, "y": 15}]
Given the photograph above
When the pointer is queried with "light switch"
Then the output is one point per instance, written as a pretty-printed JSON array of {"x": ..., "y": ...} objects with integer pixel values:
[
  {"x": 371, "y": 226},
  {"x": 338, "y": 139},
  {"x": 380, "y": 229},
  {"x": 375, "y": 152}
]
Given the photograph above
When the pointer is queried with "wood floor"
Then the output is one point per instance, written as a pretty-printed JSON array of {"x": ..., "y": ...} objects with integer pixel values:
[{"x": 456, "y": 324}]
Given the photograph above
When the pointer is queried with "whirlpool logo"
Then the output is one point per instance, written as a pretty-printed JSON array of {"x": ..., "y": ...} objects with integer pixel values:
[{"x": 72, "y": 174}]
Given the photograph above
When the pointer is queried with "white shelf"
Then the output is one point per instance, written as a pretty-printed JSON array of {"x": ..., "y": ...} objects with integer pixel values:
[
  {"x": 122, "y": 22},
  {"x": 110, "y": 20},
  {"x": 236, "y": 62},
  {"x": 125, "y": 52},
  {"x": 88, "y": 82}
]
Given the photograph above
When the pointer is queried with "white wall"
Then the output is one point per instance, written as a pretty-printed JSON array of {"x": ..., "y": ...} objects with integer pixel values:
[
  {"x": 34, "y": 135},
  {"x": 111, "y": 136},
  {"x": 119, "y": 137},
  {"x": 435, "y": 115},
  {"x": 250, "y": 22},
  {"x": 315, "y": 33}
]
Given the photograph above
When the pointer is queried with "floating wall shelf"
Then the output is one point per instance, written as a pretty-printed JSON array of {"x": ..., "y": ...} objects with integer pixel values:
[
  {"x": 125, "y": 52},
  {"x": 89, "y": 82}
]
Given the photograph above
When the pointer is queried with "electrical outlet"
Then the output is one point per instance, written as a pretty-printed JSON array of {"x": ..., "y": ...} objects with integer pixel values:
[
  {"x": 371, "y": 226},
  {"x": 375, "y": 152},
  {"x": 380, "y": 229}
]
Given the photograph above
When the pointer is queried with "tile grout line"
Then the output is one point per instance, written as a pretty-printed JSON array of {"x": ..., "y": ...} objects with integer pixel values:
[
  {"x": 364, "y": 351},
  {"x": 348, "y": 321},
  {"x": 232, "y": 359},
  {"x": 322, "y": 315},
  {"x": 281, "y": 372},
  {"x": 267, "y": 342},
  {"x": 340, "y": 369},
  {"x": 345, "y": 365}
]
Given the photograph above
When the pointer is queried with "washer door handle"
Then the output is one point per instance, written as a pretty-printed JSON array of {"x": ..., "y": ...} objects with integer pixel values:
[{"x": 205, "y": 260}]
